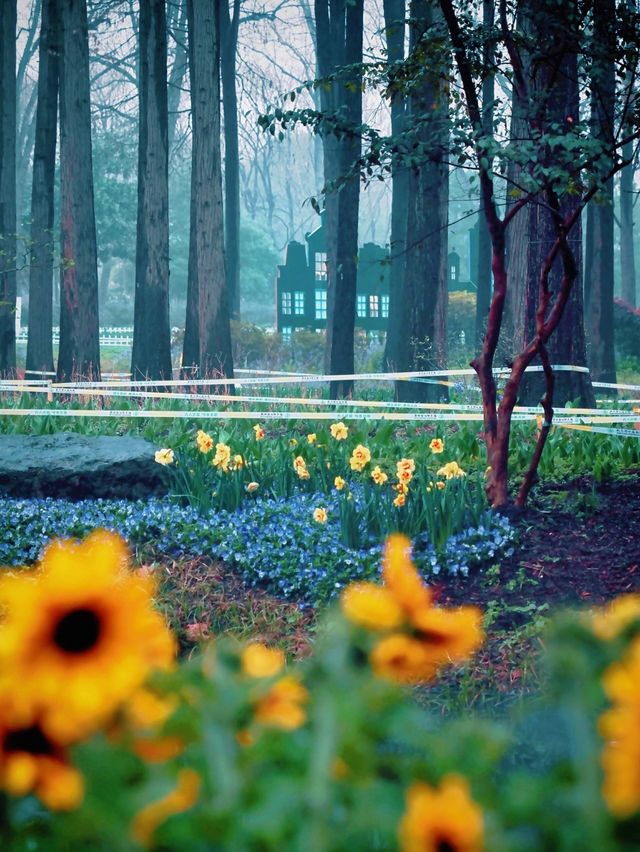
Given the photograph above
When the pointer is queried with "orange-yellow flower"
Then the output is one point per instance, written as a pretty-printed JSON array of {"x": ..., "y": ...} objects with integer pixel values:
[
  {"x": 300, "y": 467},
  {"x": 250, "y": 487},
  {"x": 405, "y": 469},
  {"x": 360, "y": 457},
  {"x": 339, "y": 431},
  {"x": 444, "y": 817},
  {"x": 204, "y": 441},
  {"x": 378, "y": 475},
  {"x": 320, "y": 515},
  {"x": 401, "y": 576},
  {"x": 400, "y": 500},
  {"x": 222, "y": 457},
  {"x": 436, "y": 445},
  {"x": 260, "y": 661},
  {"x": 611, "y": 620},
  {"x": 259, "y": 432},
  {"x": 451, "y": 635},
  {"x": 371, "y": 606},
  {"x": 339, "y": 483},
  {"x": 283, "y": 705},
  {"x": 312, "y": 438},
  {"x": 165, "y": 456},
  {"x": 402, "y": 659},
  {"x": 451, "y": 470},
  {"x": 180, "y": 799}
]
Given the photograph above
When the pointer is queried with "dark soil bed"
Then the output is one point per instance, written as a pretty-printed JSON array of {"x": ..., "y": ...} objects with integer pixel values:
[{"x": 578, "y": 545}]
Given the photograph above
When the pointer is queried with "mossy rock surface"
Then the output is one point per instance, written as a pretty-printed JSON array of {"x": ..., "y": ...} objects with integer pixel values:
[{"x": 79, "y": 466}]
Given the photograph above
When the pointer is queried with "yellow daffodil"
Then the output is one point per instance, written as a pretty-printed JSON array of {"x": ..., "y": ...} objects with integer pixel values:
[
  {"x": 222, "y": 457},
  {"x": 378, "y": 476},
  {"x": 204, "y": 441},
  {"x": 300, "y": 467},
  {"x": 339, "y": 431},
  {"x": 360, "y": 457},
  {"x": 250, "y": 487},
  {"x": 339, "y": 483},
  {"x": 312, "y": 438},
  {"x": 405, "y": 469},
  {"x": 259, "y": 432},
  {"x": 451, "y": 470},
  {"x": 437, "y": 445},
  {"x": 320, "y": 515},
  {"x": 165, "y": 456},
  {"x": 400, "y": 500},
  {"x": 443, "y": 817}
]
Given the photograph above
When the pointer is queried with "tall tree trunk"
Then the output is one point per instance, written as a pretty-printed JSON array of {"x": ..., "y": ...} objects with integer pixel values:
[
  {"x": 483, "y": 272},
  {"x": 151, "y": 354},
  {"x": 554, "y": 79},
  {"x": 79, "y": 353},
  {"x": 339, "y": 44},
  {"x": 178, "y": 71},
  {"x": 214, "y": 330},
  {"x": 228, "y": 49},
  {"x": 394, "y": 22},
  {"x": 424, "y": 342},
  {"x": 8, "y": 245},
  {"x": 603, "y": 97},
  {"x": 627, "y": 255},
  {"x": 39, "y": 342}
]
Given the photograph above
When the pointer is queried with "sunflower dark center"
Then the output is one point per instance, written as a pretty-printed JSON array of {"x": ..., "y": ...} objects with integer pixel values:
[
  {"x": 31, "y": 740},
  {"x": 77, "y": 631},
  {"x": 444, "y": 845},
  {"x": 433, "y": 638}
]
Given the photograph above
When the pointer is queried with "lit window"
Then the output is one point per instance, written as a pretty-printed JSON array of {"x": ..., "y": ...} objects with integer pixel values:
[
  {"x": 286, "y": 303},
  {"x": 453, "y": 273},
  {"x": 298, "y": 303},
  {"x": 385, "y": 306},
  {"x": 321, "y": 265},
  {"x": 321, "y": 304},
  {"x": 374, "y": 306},
  {"x": 286, "y": 333},
  {"x": 361, "y": 306}
]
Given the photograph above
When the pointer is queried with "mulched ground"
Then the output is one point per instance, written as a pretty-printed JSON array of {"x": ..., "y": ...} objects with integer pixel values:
[{"x": 579, "y": 544}]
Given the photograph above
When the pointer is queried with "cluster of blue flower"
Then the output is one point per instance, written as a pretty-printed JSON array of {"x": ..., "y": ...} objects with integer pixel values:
[{"x": 273, "y": 543}]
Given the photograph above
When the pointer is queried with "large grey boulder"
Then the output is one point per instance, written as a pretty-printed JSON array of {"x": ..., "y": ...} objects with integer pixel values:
[{"x": 77, "y": 466}]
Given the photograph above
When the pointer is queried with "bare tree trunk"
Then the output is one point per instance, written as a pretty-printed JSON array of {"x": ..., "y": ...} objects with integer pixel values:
[
  {"x": 600, "y": 301},
  {"x": 8, "y": 188},
  {"x": 39, "y": 343},
  {"x": 151, "y": 354},
  {"x": 627, "y": 255},
  {"x": 339, "y": 43},
  {"x": 178, "y": 71},
  {"x": 79, "y": 353},
  {"x": 228, "y": 49},
  {"x": 394, "y": 21},
  {"x": 483, "y": 273},
  {"x": 424, "y": 342},
  {"x": 214, "y": 331}
]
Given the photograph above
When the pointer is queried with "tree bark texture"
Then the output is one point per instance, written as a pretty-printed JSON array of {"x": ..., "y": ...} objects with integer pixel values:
[
  {"x": 39, "y": 342},
  {"x": 8, "y": 245},
  {"x": 228, "y": 48},
  {"x": 627, "y": 255},
  {"x": 483, "y": 272},
  {"x": 603, "y": 99},
  {"x": 214, "y": 331},
  {"x": 394, "y": 21},
  {"x": 79, "y": 353},
  {"x": 554, "y": 81},
  {"x": 424, "y": 340},
  {"x": 151, "y": 354},
  {"x": 339, "y": 28},
  {"x": 178, "y": 27}
]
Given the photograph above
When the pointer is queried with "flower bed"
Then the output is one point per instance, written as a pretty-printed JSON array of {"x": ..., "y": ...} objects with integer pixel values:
[{"x": 274, "y": 542}]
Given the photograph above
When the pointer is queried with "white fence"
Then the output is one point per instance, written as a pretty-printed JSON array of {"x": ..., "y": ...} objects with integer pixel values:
[{"x": 109, "y": 335}]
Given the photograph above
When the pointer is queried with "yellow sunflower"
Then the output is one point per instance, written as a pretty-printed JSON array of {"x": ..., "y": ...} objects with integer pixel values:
[
  {"x": 31, "y": 762},
  {"x": 79, "y": 635},
  {"x": 402, "y": 659},
  {"x": 451, "y": 635},
  {"x": 371, "y": 606},
  {"x": 282, "y": 706},
  {"x": 401, "y": 577},
  {"x": 182, "y": 798},
  {"x": 444, "y": 817}
]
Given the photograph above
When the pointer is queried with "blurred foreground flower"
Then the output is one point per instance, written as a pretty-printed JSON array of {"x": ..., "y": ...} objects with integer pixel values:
[
  {"x": 441, "y": 818},
  {"x": 79, "y": 635}
]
